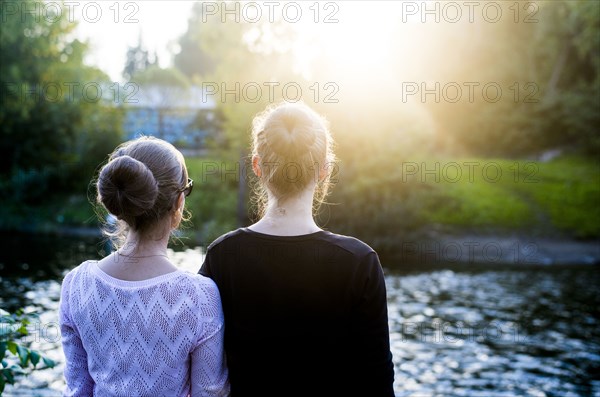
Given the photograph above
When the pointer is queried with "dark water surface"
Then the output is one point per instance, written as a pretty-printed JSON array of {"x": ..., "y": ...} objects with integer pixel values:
[{"x": 455, "y": 330}]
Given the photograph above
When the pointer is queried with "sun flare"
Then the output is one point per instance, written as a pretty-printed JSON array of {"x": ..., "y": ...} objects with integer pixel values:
[{"x": 355, "y": 41}]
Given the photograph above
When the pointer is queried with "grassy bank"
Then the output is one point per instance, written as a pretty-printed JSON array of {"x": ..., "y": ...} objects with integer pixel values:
[{"x": 559, "y": 196}]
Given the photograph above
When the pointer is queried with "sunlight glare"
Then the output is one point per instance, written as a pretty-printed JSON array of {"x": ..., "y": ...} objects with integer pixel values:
[{"x": 360, "y": 42}]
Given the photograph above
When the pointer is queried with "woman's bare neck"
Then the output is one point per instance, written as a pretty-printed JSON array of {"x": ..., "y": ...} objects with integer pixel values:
[
  {"x": 138, "y": 259},
  {"x": 290, "y": 218}
]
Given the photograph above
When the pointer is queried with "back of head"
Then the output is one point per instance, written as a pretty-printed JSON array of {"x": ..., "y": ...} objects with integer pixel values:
[
  {"x": 141, "y": 182},
  {"x": 294, "y": 145}
]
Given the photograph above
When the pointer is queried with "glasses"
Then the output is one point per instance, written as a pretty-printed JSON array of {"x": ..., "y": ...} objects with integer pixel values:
[{"x": 187, "y": 189}]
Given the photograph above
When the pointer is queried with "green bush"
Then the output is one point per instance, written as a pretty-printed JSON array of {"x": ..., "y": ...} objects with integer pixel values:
[
  {"x": 213, "y": 202},
  {"x": 17, "y": 360}
]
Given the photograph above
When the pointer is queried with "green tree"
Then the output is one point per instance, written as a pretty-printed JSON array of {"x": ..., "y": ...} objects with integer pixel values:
[
  {"x": 193, "y": 58},
  {"x": 58, "y": 117},
  {"x": 137, "y": 60},
  {"x": 570, "y": 39},
  {"x": 544, "y": 56}
]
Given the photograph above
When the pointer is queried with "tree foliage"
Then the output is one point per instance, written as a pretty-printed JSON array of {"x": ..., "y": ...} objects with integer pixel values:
[
  {"x": 193, "y": 59},
  {"x": 57, "y": 115},
  {"x": 549, "y": 70},
  {"x": 138, "y": 59}
]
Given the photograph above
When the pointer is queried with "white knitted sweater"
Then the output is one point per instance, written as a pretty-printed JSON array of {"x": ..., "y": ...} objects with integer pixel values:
[{"x": 157, "y": 337}]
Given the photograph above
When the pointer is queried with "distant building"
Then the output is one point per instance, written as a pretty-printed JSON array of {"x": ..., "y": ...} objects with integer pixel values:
[{"x": 180, "y": 116}]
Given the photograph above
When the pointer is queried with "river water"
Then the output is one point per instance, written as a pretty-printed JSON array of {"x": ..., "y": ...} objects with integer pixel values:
[{"x": 455, "y": 330}]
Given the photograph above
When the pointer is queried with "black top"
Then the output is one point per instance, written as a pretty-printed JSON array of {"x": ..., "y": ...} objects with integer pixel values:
[{"x": 304, "y": 315}]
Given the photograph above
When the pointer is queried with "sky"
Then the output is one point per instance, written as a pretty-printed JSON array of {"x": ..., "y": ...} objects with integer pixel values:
[
  {"x": 118, "y": 25},
  {"x": 353, "y": 38},
  {"x": 343, "y": 29}
]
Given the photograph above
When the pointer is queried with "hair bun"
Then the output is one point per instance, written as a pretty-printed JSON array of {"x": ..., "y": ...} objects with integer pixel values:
[
  {"x": 290, "y": 130},
  {"x": 127, "y": 187}
]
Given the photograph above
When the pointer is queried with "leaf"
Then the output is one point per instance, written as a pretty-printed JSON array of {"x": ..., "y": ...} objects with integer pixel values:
[
  {"x": 23, "y": 355},
  {"x": 35, "y": 357},
  {"x": 8, "y": 328},
  {"x": 15, "y": 369},
  {"x": 3, "y": 347},
  {"x": 7, "y": 319},
  {"x": 10, "y": 378},
  {"x": 22, "y": 329},
  {"x": 49, "y": 363},
  {"x": 2, "y": 383},
  {"x": 12, "y": 347}
]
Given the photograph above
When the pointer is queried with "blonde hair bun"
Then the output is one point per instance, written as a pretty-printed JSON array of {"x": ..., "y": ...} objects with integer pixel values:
[
  {"x": 291, "y": 130},
  {"x": 294, "y": 146}
]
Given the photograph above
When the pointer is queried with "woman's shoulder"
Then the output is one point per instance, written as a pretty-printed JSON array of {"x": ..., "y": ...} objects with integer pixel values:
[
  {"x": 197, "y": 280},
  {"x": 77, "y": 279},
  {"x": 80, "y": 270},
  {"x": 202, "y": 285},
  {"x": 202, "y": 292},
  {"x": 348, "y": 243},
  {"x": 225, "y": 237}
]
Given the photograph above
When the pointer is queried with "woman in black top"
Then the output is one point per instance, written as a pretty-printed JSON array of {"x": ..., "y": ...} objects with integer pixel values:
[{"x": 305, "y": 309}]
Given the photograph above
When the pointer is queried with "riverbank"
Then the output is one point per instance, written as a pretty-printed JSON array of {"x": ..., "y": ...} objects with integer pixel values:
[
  {"x": 500, "y": 250},
  {"x": 526, "y": 212}
]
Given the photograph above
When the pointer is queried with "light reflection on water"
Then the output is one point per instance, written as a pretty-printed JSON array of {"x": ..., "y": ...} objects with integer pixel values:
[
  {"x": 496, "y": 333},
  {"x": 532, "y": 332}
]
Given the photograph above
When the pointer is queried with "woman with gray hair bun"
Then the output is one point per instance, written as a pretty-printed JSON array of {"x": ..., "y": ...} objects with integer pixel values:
[
  {"x": 306, "y": 309},
  {"x": 133, "y": 323}
]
